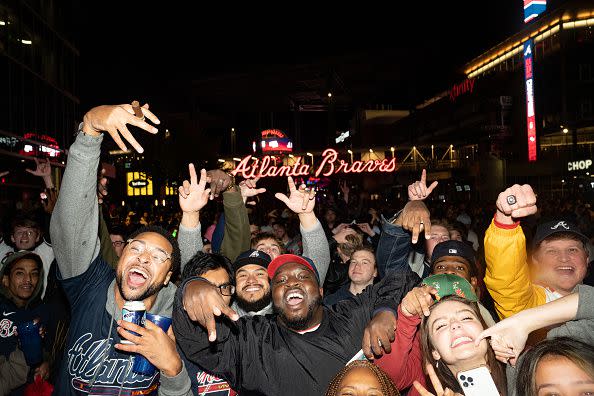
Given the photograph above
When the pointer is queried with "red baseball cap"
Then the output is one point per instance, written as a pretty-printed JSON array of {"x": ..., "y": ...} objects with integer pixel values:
[{"x": 291, "y": 258}]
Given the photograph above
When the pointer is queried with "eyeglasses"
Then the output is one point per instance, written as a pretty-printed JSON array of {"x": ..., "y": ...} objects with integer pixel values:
[
  {"x": 29, "y": 233},
  {"x": 118, "y": 243},
  {"x": 138, "y": 247},
  {"x": 226, "y": 289}
]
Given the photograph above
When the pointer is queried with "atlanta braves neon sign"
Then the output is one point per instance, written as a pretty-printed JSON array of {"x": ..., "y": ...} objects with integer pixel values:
[{"x": 250, "y": 167}]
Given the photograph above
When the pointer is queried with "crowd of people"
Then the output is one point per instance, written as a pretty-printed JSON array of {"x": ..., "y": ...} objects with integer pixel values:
[{"x": 292, "y": 292}]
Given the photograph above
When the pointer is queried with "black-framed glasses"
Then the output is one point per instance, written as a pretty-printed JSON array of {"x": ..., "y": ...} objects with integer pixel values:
[
  {"x": 226, "y": 289},
  {"x": 118, "y": 243}
]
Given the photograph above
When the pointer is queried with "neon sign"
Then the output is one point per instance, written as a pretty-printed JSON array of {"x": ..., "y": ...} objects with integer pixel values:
[
  {"x": 533, "y": 8},
  {"x": 530, "y": 116},
  {"x": 462, "y": 88},
  {"x": 50, "y": 147},
  {"x": 275, "y": 141},
  {"x": 251, "y": 167}
]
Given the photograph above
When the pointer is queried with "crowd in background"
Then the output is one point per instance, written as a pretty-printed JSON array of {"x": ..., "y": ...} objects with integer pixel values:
[{"x": 388, "y": 296}]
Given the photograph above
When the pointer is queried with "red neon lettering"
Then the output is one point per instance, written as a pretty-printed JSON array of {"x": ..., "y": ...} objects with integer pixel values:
[
  {"x": 243, "y": 167},
  {"x": 330, "y": 156}
]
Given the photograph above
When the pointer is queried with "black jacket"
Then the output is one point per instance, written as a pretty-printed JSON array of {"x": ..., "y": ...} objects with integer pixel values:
[{"x": 260, "y": 356}]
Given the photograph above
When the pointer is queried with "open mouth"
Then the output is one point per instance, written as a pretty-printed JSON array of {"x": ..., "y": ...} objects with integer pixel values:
[
  {"x": 137, "y": 277},
  {"x": 294, "y": 298},
  {"x": 252, "y": 288},
  {"x": 565, "y": 270},
  {"x": 461, "y": 341}
]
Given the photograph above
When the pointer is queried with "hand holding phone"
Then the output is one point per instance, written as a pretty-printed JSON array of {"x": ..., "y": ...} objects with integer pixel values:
[{"x": 477, "y": 382}]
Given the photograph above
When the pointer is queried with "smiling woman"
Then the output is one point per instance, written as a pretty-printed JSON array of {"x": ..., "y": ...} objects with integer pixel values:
[{"x": 448, "y": 342}]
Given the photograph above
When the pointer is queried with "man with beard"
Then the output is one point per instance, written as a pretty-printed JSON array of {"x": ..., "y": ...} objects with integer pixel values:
[
  {"x": 95, "y": 361},
  {"x": 253, "y": 295},
  {"x": 296, "y": 352}
]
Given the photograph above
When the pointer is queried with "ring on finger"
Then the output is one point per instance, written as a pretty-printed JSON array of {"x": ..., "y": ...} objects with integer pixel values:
[{"x": 511, "y": 199}]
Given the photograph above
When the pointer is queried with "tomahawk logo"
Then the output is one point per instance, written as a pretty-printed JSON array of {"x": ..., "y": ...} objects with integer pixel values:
[
  {"x": 255, "y": 254},
  {"x": 560, "y": 224},
  {"x": 86, "y": 357}
]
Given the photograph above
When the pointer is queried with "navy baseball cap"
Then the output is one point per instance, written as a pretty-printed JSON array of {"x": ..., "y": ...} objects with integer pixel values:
[
  {"x": 292, "y": 258},
  {"x": 545, "y": 230},
  {"x": 252, "y": 256},
  {"x": 453, "y": 248}
]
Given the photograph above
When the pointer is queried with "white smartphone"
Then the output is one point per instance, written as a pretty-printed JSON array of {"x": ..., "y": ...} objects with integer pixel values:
[{"x": 477, "y": 382}]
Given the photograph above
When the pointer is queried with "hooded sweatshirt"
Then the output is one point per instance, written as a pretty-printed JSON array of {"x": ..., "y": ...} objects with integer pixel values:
[
  {"x": 12, "y": 315},
  {"x": 91, "y": 363}
]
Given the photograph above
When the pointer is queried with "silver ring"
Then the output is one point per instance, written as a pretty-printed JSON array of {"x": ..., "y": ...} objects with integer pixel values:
[{"x": 511, "y": 199}]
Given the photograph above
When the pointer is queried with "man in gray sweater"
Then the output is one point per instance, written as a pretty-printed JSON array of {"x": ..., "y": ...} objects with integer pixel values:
[{"x": 95, "y": 360}]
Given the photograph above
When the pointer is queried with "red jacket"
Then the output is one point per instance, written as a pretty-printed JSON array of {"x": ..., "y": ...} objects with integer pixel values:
[{"x": 405, "y": 364}]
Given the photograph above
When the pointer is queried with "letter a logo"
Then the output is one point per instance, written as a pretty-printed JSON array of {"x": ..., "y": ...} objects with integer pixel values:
[{"x": 560, "y": 224}]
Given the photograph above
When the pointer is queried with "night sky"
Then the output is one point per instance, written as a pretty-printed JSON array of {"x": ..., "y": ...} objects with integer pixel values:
[{"x": 220, "y": 58}]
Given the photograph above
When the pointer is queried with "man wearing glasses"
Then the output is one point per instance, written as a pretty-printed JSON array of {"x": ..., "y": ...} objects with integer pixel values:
[
  {"x": 95, "y": 360},
  {"x": 216, "y": 270}
]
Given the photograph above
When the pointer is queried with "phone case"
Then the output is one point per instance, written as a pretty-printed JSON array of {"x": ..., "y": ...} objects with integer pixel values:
[{"x": 477, "y": 382}]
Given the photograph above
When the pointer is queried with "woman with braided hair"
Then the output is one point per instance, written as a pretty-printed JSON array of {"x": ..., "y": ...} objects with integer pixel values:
[{"x": 362, "y": 378}]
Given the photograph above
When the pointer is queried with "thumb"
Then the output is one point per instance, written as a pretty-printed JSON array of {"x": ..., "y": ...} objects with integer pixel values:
[
  {"x": 30, "y": 170},
  {"x": 485, "y": 334},
  {"x": 282, "y": 197},
  {"x": 431, "y": 187},
  {"x": 260, "y": 190}
]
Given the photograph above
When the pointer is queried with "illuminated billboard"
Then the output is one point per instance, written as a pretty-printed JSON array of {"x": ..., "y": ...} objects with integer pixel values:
[
  {"x": 49, "y": 148},
  {"x": 530, "y": 115},
  {"x": 275, "y": 141},
  {"x": 533, "y": 8},
  {"x": 138, "y": 184}
]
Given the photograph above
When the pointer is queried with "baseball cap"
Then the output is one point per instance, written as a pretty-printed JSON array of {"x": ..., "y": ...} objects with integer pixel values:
[
  {"x": 453, "y": 248},
  {"x": 291, "y": 258},
  {"x": 252, "y": 256},
  {"x": 549, "y": 228},
  {"x": 450, "y": 284}
]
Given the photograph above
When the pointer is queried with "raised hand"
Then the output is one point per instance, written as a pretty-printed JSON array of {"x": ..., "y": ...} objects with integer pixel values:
[
  {"x": 515, "y": 202},
  {"x": 439, "y": 391},
  {"x": 248, "y": 189},
  {"x": 418, "y": 190},
  {"x": 300, "y": 200},
  {"x": 202, "y": 301},
  {"x": 43, "y": 168},
  {"x": 113, "y": 120},
  {"x": 341, "y": 235},
  {"x": 193, "y": 194},
  {"x": 379, "y": 334},
  {"x": 507, "y": 338},
  {"x": 415, "y": 218},
  {"x": 50, "y": 203},
  {"x": 219, "y": 181},
  {"x": 153, "y": 343}
]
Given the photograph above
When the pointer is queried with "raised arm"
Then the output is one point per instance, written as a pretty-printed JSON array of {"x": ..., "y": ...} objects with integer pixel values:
[
  {"x": 302, "y": 201},
  {"x": 395, "y": 240},
  {"x": 509, "y": 336},
  {"x": 74, "y": 223},
  {"x": 507, "y": 276},
  {"x": 193, "y": 196}
]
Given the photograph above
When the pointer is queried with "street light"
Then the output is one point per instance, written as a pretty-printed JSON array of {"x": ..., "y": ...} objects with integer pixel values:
[
  {"x": 221, "y": 160},
  {"x": 565, "y": 130},
  {"x": 351, "y": 153},
  {"x": 237, "y": 159},
  {"x": 312, "y": 158},
  {"x": 392, "y": 150}
]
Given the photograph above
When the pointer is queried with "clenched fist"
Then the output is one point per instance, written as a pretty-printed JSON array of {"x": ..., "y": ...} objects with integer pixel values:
[{"x": 515, "y": 202}]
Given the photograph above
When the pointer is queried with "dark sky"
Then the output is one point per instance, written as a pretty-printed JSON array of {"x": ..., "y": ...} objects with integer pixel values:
[{"x": 129, "y": 49}]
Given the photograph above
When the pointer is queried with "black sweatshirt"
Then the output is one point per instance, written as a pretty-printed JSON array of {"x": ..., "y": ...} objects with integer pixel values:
[{"x": 260, "y": 356}]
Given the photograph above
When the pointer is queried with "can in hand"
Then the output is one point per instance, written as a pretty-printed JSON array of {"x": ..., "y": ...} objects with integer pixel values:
[{"x": 133, "y": 312}]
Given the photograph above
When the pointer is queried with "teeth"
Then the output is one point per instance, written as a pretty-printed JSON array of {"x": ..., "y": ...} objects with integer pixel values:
[
  {"x": 140, "y": 272},
  {"x": 294, "y": 295},
  {"x": 460, "y": 340},
  {"x": 252, "y": 288},
  {"x": 565, "y": 268}
]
